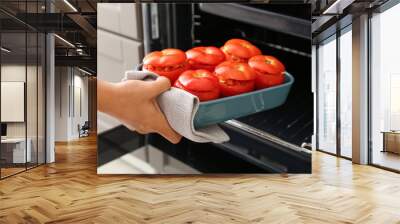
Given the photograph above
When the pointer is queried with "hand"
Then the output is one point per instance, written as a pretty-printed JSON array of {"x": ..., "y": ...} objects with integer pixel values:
[{"x": 134, "y": 103}]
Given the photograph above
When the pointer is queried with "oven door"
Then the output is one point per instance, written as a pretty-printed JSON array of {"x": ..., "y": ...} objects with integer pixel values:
[{"x": 266, "y": 142}]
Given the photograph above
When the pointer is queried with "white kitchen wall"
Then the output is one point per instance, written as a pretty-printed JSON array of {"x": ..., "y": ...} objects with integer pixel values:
[{"x": 119, "y": 47}]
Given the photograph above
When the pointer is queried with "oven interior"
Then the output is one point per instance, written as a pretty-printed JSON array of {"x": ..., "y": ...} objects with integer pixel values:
[
  {"x": 266, "y": 142},
  {"x": 184, "y": 26},
  {"x": 293, "y": 121}
]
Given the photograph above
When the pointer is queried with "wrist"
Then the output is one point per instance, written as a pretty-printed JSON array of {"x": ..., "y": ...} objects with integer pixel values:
[
  {"x": 107, "y": 97},
  {"x": 120, "y": 98}
]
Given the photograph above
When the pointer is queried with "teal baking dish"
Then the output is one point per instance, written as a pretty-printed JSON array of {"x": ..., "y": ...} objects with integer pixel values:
[{"x": 223, "y": 109}]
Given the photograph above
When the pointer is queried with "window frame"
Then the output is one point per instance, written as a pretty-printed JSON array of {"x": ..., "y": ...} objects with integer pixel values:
[
  {"x": 381, "y": 9},
  {"x": 334, "y": 37},
  {"x": 27, "y": 29}
]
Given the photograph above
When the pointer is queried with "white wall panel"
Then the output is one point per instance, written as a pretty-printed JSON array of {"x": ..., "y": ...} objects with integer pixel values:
[
  {"x": 119, "y": 18},
  {"x": 12, "y": 101},
  {"x": 119, "y": 47},
  {"x": 71, "y": 102}
]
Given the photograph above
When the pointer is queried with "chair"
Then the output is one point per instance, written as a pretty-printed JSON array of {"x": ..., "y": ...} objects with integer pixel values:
[{"x": 84, "y": 130}]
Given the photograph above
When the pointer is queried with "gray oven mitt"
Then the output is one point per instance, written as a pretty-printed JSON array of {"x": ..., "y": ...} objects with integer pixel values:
[{"x": 180, "y": 107}]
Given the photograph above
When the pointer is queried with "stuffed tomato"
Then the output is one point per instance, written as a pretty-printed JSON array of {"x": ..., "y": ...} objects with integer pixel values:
[
  {"x": 234, "y": 78},
  {"x": 239, "y": 50},
  {"x": 168, "y": 62},
  {"x": 204, "y": 57},
  {"x": 269, "y": 70},
  {"x": 200, "y": 83}
]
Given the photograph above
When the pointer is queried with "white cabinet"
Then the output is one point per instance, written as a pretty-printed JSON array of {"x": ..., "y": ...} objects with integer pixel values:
[{"x": 15, "y": 148}]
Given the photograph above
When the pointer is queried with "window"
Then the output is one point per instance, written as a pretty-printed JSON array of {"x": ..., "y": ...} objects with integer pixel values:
[
  {"x": 22, "y": 78},
  {"x": 334, "y": 106},
  {"x": 15, "y": 150},
  {"x": 385, "y": 89},
  {"x": 327, "y": 95},
  {"x": 346, "y": 92}
]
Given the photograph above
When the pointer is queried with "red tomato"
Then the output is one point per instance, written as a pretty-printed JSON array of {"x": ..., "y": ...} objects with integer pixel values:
[
  {"x": 234, "y": 78},
  {"x": 239, "y": 50},
  {"x": 269, "y": 70},
  {"x": 204, "y": 57},
  {"x": 168, "y": 62},
  {"x": 200, "y": 83}
]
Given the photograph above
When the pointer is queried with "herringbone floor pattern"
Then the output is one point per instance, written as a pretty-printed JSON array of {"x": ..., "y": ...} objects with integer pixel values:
[{"x": 69, "y": 191}]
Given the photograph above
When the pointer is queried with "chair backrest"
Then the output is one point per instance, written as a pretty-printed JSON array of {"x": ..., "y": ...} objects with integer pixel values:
[{"x": 86, "y": 125}]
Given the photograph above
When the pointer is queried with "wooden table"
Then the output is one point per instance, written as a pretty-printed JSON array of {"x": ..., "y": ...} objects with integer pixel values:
[{"x": 391, "y": 141}]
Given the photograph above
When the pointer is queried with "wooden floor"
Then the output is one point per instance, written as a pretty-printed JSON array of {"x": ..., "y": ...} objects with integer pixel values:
[
  {"x": 10, "y": 171},
  {"x": 69, "y": 191},
  {"x": 387, "y": 159}
]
